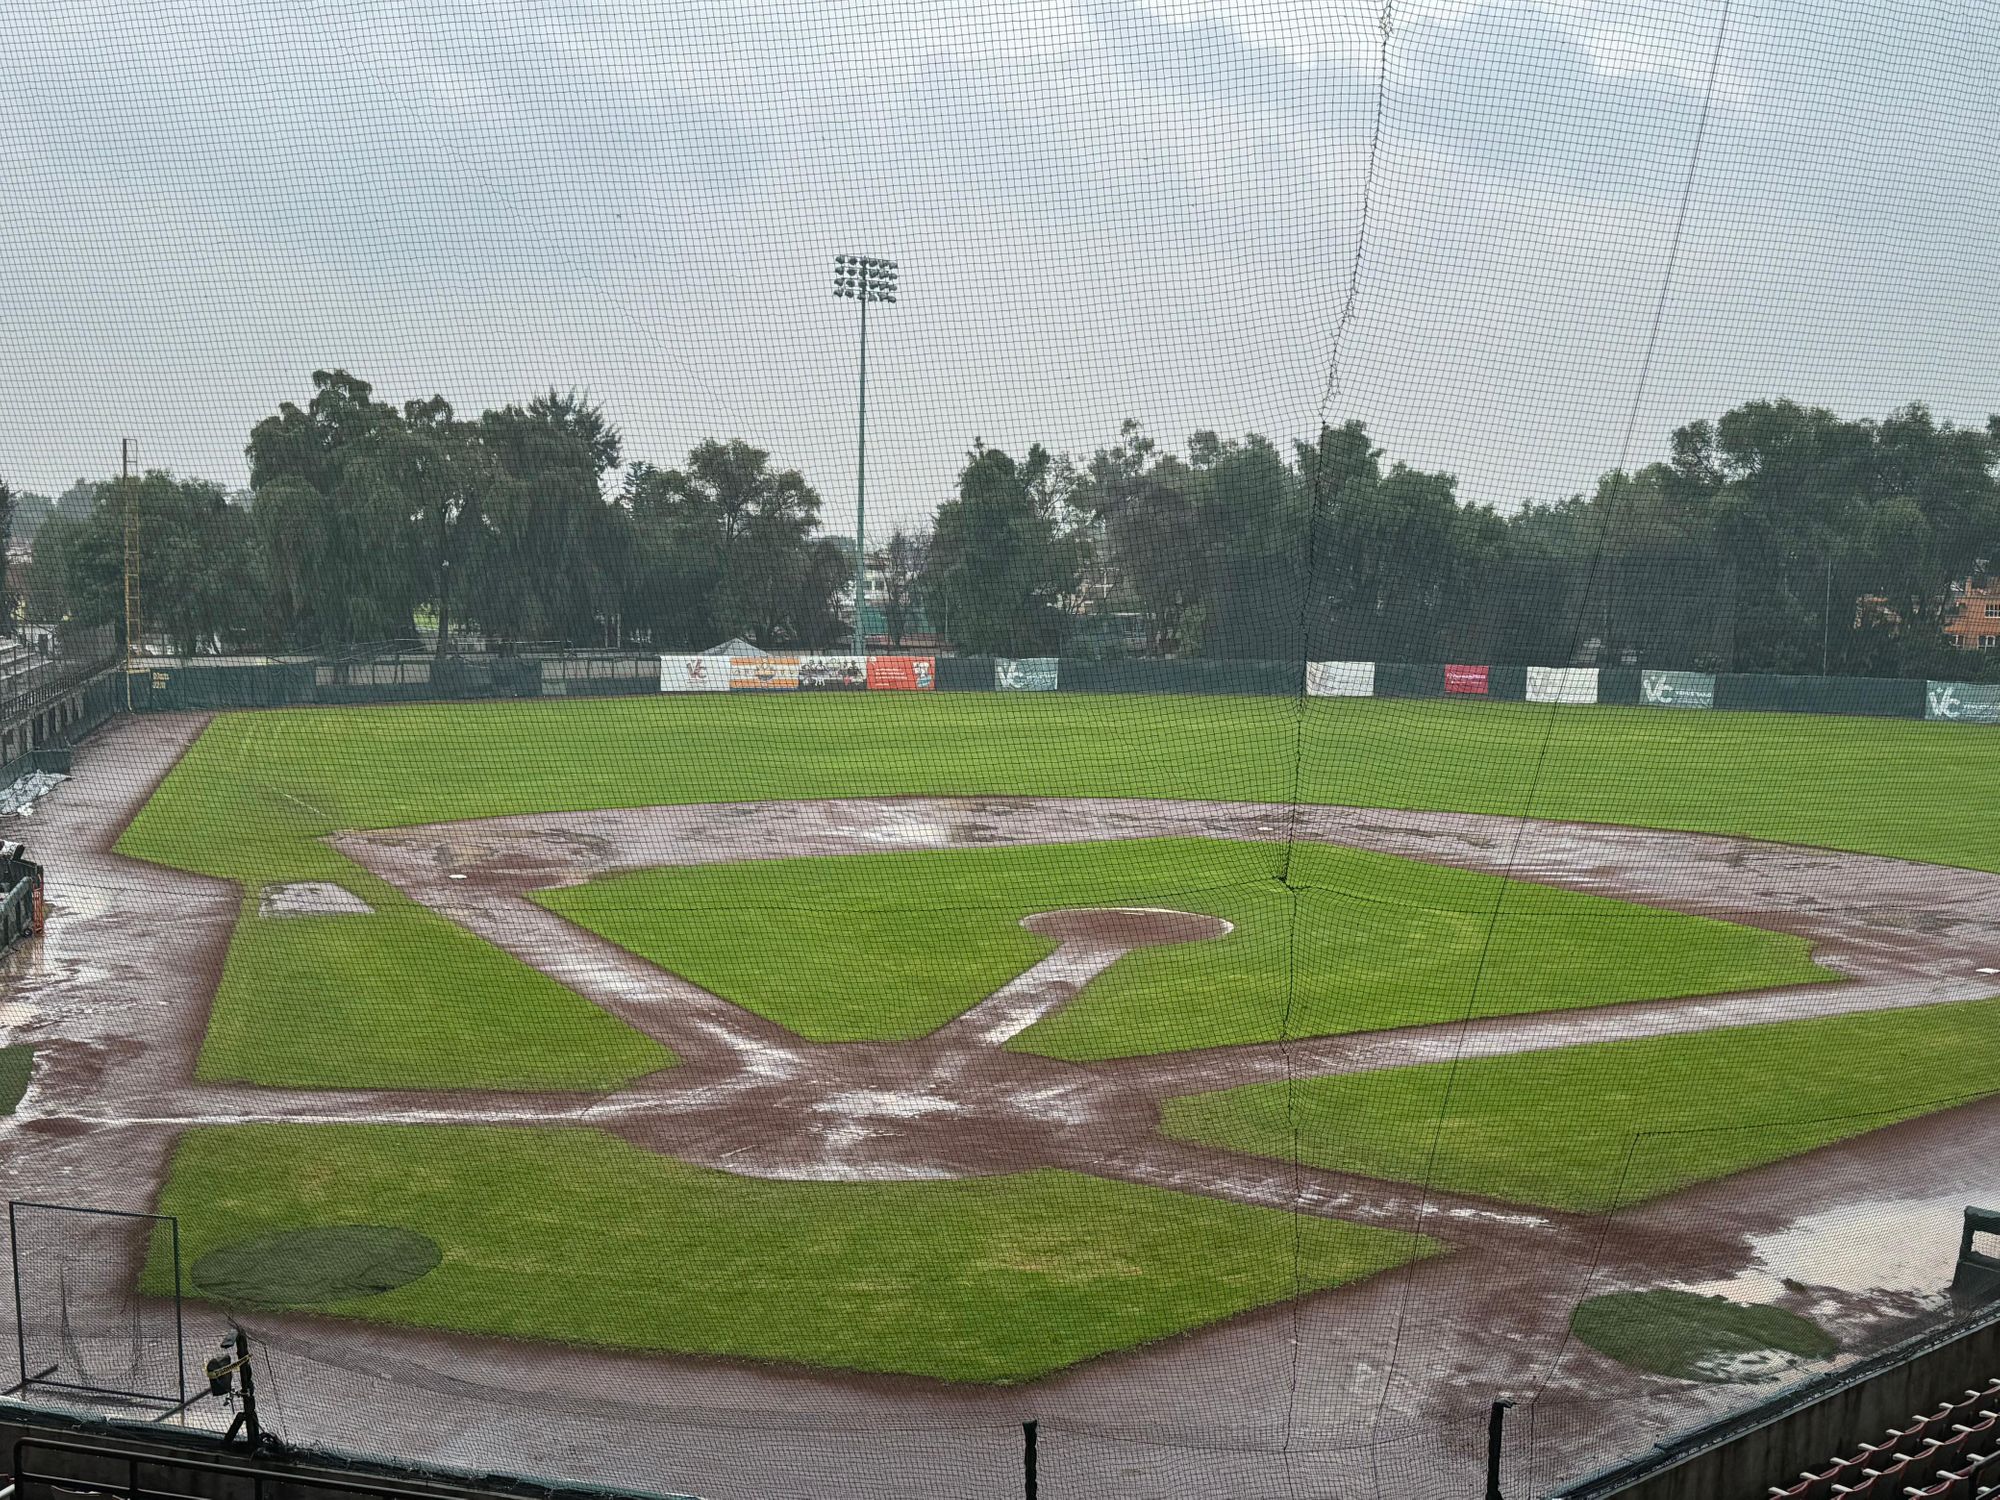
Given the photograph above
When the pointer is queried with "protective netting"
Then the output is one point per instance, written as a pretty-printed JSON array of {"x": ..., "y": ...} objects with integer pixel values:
[
  {"x": 1400, "y": 818},
  {"x": 90, "y": 1332}
]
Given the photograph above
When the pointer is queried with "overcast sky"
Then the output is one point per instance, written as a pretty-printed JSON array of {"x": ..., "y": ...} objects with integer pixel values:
[{"x": 1147, "y": 208}]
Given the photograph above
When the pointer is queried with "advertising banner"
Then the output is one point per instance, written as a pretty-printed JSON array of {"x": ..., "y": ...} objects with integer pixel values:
[
  {"x": 763, "y": 673},
  {"x": 834, "y": 672},
  {"x": 1963, "y": 702},
  {"x": 901, "y": 674},
  {"x": 1562, "y": 684},
  {"x": 1677, "y": 689},
  {"x": 1464, "y": 679},
  {"x": 694, "y": 674},
  {"x": 1340, "y": 679},
  {"x": 1027, "y": 674}
]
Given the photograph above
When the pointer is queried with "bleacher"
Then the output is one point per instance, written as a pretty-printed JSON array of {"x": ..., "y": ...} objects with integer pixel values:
[{"x": 1952, "y": 1453}]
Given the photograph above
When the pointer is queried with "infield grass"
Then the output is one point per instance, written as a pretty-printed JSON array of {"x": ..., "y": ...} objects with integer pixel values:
[
  {"x": 1603, "y": 1126},
  {"x": 574, "y": 1236},
  {"x": 892, "y": 946}
]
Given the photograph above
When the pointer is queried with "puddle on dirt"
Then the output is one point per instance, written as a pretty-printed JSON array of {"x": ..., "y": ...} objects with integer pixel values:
[
  {"x": 1751, "y": 1365},
  {"x": 907, "y": 830},
  {"x": 82, "y": 898},
  {"x": 890, "y": 1102},
  {"x": 1905, "y": 1246},
  {"x": 311, "y": 898}
]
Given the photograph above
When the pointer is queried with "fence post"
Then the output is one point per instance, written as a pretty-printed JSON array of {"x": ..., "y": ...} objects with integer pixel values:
[
  {"x": 1030, "y": 1483},
  {"x": 1496, "y": 1420}
]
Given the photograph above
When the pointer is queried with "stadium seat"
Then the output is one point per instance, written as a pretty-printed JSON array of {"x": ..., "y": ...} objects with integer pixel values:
[
  {"x": 1990, "y": 1392},
  {"x": 1931, "y": 1424},
  {"x": 1947, "y": 1487}
]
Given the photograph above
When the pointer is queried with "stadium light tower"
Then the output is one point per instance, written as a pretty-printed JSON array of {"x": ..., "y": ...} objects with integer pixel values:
[{"x": 865, "y": 278}]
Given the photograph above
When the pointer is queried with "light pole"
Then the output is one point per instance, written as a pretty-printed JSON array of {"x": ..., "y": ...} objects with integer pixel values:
[{"x": 865, "y": 278}]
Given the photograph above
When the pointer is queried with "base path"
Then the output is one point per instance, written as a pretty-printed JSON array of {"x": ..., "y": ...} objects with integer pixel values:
[{"x": 1375, "y": 1389}]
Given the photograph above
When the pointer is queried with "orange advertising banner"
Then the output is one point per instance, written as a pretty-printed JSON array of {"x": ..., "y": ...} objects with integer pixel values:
[
  {"x": 902, "y": 674},
  {"x": 763, "y": 673}
]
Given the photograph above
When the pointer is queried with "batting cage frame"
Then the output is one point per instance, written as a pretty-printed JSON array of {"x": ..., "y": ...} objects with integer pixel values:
[{"x": 126, "y": 1241}]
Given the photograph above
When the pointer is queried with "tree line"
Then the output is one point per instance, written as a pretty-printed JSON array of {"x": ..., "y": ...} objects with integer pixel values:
[{"x": 1777, "y": 537}]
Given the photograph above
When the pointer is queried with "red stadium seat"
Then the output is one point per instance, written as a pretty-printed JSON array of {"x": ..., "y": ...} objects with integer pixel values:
[{"x": 1929, "y": 1424}]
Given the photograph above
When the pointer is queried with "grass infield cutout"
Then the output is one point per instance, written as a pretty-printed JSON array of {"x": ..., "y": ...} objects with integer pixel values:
[
  {"x": 1692, "y": 1337},
  {"x": 17, "y": 1067},
  {"x": 332, "y": 1263}
]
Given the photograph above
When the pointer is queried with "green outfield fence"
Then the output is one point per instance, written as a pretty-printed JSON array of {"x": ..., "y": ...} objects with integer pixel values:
[{"x": 411, "y": 676}]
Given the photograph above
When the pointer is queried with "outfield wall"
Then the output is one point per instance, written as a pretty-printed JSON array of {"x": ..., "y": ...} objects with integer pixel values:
[{"x": 257, "y": 684}]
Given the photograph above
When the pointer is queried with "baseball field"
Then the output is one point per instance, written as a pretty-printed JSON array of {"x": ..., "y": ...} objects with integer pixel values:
[{"x": 971, "y": 1037}]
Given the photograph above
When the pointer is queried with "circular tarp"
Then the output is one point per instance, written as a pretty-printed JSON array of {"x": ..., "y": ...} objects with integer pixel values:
[
  {"x": 332, "y": 1263},
  {"x": 1693, "y": 1337}
]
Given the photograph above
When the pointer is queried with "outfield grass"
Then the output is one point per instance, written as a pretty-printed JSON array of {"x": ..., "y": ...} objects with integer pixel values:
[
  {"x": 256, "y": 790},
  {"x": 573, "y": 1236},
  {"x": 1604, "y": 1126},
  {"x": 891, "y": 946}
]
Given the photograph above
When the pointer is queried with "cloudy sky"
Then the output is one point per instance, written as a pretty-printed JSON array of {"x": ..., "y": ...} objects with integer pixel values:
[{"x": 1138, "y": 207}]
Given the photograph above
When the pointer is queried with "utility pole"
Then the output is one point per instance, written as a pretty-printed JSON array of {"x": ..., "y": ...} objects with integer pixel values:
[
  {"x": 866, "y": 278},
  {"x": 129, "y": 494}
]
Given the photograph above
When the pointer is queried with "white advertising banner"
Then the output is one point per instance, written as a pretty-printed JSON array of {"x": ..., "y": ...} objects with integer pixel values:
[
  {"x": 1562, "y": 684},
  {"x": 1340, "y": 679},
  {"x": 694, "y": 674}
]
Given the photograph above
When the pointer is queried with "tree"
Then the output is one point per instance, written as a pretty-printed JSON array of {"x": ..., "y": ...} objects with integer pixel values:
[
  {"x": 200, "y": 569},
  {"x": 1257, "y": 518},
  {"x": 902, "y": 566},
  {"x": 554, "y": 559},
  {"x": 1846, "y": 536},
  {"x": 335, "y": 524},
  {"x": 1153, "y": 534},
  {"x": 432, "y": 468},
  {"x": 726, "y": 546},
  {"x": 1001, "y": 558}
]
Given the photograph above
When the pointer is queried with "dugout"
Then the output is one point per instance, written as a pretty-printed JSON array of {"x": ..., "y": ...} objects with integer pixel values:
[{"x": 22, "y": 902}]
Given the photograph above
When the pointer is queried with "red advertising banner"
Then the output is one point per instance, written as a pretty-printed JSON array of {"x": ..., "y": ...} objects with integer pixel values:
[
  {"x": 904, "y": 674},
  {"x": 1464, "y": 679}
]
